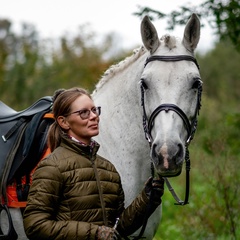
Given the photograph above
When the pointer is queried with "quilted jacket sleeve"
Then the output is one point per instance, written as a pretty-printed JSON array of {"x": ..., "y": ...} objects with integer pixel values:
[
  {"x": 39, "y": 216},
  {"x": 133, "y": 216}
]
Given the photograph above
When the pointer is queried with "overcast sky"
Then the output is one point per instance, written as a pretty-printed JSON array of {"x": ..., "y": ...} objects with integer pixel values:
[{"x": 54, "y": 18}]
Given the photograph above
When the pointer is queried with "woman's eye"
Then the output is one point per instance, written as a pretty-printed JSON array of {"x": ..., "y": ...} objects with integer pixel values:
[
  {"x": 94, "y": 110},
  {"x": 84, "y": 111},
  {"x": 143, "y": 83}
]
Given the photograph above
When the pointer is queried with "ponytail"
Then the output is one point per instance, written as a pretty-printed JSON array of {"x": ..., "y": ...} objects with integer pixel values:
[{"x": 54, "y": 136}]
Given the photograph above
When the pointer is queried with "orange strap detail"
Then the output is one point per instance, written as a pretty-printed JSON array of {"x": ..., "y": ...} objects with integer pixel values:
[
  {"x": 12, "y": 197},
  {"x": 48, "y": 115}
]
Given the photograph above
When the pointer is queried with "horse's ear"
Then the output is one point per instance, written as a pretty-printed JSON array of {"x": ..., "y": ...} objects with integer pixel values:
[
  {"x": 192, "y": 33},
  {"x": 149, "y": 35}
]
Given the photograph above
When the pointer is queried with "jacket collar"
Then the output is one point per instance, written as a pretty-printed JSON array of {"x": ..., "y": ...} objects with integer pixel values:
[{"x": 87, "y": 150}]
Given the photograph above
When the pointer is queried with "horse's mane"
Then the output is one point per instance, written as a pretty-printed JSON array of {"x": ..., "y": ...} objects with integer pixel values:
[
  {"x": 112, "y": 70},
  {"x": 169, "y": 41}
]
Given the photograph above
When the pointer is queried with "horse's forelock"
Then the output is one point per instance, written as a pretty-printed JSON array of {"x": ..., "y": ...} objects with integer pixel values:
[
  {"x": 169, "y": 41},
  {"x": 112, "y": 70}
]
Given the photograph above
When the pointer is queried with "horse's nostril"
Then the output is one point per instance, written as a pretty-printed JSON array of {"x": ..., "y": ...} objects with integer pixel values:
[
  {"x": 157, "y": 156},
  {"x": 154, "y": 154},
  {"x": 179, "y": 155}
]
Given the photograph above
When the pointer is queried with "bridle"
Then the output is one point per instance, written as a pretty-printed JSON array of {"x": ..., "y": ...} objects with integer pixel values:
[
  {"x": 148, "y": 124},
  {"x": 190, "y": 126}
]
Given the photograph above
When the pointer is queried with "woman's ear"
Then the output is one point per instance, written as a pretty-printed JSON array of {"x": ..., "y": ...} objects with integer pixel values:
[{"x": 63, "y": 123}]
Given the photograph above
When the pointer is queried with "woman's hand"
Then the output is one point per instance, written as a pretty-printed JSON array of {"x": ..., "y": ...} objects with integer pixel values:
[
  {"x": 155, "y": 189},
  {"x": 107, "y": 233}
]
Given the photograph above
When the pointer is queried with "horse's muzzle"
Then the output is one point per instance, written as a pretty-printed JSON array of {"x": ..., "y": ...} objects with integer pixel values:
[{"x": 168, "y": 163}]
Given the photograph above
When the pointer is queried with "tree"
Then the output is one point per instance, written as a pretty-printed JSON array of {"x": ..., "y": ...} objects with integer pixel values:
[
  {"x": 222, "y": 15},
  {"x": 31, "y": 67},
  {"x": 4, "y": 47},
  {"x": 19, "y": 63}
]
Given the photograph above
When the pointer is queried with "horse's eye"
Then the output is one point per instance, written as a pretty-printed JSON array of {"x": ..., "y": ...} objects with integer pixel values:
[
  {"x": 144, "y": 85},
  {"x": 196, "y": 84}
]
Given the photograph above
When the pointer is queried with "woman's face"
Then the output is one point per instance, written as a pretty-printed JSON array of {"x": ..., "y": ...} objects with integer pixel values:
[{"x": 81, "y": 129}]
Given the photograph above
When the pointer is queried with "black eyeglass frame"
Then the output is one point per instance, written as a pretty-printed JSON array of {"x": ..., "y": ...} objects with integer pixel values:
[{"x": 95, "y": 110}]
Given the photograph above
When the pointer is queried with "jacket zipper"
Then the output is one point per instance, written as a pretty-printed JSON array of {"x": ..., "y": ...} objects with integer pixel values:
[{"x": 99, "y": 190}]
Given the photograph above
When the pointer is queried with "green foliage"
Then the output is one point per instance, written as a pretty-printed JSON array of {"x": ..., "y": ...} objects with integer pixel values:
[
  {"x": 221, "y": 75},
  {"x": 33, "y": 68}
]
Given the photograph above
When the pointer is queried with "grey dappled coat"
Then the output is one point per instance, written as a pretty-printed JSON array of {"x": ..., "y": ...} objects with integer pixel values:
[{"x": 64, "y": 201}]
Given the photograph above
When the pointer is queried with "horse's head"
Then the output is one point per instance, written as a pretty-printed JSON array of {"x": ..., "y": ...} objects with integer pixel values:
[{"x": 171, "y": 90}]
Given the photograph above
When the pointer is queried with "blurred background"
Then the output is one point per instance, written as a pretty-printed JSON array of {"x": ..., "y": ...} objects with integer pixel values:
[{"x": 47, "y": 45}]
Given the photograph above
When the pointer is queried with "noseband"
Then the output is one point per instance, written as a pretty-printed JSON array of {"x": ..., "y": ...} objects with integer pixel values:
[{"x": 169, "y": 107}]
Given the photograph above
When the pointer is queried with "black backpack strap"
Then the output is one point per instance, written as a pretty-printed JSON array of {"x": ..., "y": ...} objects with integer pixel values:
[
  {"x": 31, "y": 131},
  {"x": 15, "y": 127},
  {"x": 23, "y": 188},
  {"x": 33, "y": 150}
]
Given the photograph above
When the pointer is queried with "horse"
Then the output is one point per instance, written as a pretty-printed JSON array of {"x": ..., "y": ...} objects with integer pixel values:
[{"x": 150, "y": 102}]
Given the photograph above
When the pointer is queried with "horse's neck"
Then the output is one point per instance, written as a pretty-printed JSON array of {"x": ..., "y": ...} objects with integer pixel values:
[{"x": 121, "y": 133}]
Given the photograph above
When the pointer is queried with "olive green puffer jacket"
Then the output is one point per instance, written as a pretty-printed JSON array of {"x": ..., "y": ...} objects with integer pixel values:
[{"x": 74, "y": 191}]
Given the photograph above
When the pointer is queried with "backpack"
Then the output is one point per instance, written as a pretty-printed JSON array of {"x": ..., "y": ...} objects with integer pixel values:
[{"x": 23, "y": 140}]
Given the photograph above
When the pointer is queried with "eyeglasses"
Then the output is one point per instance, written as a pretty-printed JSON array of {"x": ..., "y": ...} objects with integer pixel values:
[{"x": 85, "y": 113}]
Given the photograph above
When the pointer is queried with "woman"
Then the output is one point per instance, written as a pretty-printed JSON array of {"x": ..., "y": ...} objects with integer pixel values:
[{"x": 75, "y": 193}]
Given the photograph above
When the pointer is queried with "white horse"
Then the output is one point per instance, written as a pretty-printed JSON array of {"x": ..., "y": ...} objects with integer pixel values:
[
  {"x": 160, "y": 83},
  {"x": 156, "y": 90}
]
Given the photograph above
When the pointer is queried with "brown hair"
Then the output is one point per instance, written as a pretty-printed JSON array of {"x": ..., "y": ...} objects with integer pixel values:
[{"x": 62, "y": 101}]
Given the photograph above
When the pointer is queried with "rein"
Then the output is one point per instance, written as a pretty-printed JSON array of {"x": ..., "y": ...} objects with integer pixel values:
[{"x": 190, "y": 127}]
